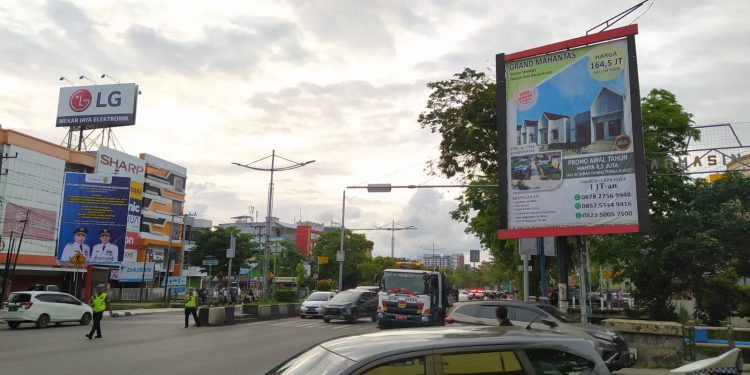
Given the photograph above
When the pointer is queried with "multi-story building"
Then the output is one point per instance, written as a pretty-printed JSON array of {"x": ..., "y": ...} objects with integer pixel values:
[
  {"x": 451, "y": 261},
  {"x": 31, "y": 185}
]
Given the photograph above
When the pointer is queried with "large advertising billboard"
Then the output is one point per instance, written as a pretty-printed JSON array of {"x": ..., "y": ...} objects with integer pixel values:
[
  {"x": 93, "y": 219},
  {"x": 98, "y": 106},
  {"x": 116, "y": 163},
  {"x": 572, "y": 134}
]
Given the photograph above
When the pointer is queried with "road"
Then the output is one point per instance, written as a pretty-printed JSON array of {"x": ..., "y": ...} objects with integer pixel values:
[{"x": 158, "y": 344}]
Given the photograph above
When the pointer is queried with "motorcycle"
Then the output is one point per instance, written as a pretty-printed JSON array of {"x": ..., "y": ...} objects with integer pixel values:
[{"x": 203, "y": 296}]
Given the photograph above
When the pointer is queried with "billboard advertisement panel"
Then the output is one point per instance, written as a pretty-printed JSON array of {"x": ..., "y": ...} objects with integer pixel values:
[
  {"x": 93, "y": 218},
  {"x": 113, "y": 162},
  {"x": 135, "y": 272},
  {"x": 97, "y": 106},
  {"x": 572, "y": 133}
]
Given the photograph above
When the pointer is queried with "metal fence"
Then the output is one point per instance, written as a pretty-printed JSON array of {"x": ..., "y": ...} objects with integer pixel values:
[{"x": 134, "y": 294}]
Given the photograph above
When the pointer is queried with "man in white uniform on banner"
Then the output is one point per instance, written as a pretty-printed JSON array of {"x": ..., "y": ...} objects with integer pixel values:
[
  {"x": 105, "y": 251},
  {"x": 77, "y": 246}
]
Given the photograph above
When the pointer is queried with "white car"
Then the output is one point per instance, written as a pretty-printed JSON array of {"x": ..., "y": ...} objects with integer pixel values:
[
  {"x": 311, "y": 305},
  {"x": 43, "y": 308}
]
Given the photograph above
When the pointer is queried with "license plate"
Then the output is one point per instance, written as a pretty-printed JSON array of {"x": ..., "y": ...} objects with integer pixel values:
[
  {"x": 400, "y": 317},
  {"x": 12, "y": 308}
]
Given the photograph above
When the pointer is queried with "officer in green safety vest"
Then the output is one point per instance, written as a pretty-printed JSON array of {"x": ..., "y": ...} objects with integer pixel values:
[
  {"x": 99, "y": 303},
  {"x": 191, "y": 304}
]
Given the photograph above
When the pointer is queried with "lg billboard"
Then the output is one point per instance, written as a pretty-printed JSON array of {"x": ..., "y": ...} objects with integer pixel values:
[{"x": 98, "y": 106}]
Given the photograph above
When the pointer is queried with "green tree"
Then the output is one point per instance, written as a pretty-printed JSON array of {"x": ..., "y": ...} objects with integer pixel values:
[
  {"x": 356, "y": 249},
  {"x": 215, "y": 242}
]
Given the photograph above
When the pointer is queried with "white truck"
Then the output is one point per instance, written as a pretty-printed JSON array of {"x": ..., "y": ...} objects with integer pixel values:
[{"x": 412, "y": 297}]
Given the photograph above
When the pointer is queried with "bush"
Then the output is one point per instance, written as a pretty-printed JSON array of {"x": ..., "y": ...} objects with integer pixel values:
[
  {"x": 325, "y": 285},
  {"x": 286, "y": 295}
]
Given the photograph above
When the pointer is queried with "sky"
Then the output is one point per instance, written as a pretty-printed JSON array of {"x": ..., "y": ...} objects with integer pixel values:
[{"x": 341, "y": 82}]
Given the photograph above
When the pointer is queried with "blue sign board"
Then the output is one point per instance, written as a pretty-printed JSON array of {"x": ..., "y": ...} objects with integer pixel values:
[{"x": 93, "y": 218}]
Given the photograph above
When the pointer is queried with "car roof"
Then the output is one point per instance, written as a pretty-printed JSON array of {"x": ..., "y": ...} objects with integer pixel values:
[
  {"x": 392, "y": 342},
  {"x": 37, "y": 292}
]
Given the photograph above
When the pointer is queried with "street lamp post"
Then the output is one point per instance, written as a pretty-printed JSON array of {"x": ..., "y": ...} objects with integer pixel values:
[
  {"x": 340, "y": 255},
  {"x": 266, "y": 248}
]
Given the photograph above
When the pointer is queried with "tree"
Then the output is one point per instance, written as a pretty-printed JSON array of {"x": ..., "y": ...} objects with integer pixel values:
[
  {"x": 215, "y": 242},
  {"x": 356, "y": 248}
]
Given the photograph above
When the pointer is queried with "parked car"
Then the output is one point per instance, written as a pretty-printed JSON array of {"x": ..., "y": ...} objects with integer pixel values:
[
  {"x": 447, "y": 350},
  {"x": 372, "y": 288},
  {"x": 311, "y": 306},
  {"x": 351, "y": 305},
  {"x": 611, "y": 346},
  {"x": 43, "y": 308},
  {"x": 596, "y": 301}
]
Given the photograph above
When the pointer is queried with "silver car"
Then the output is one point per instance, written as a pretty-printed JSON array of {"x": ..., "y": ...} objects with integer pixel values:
[
  {"x": 448, "y": 350},
  {"x": 311, "y": 306},
  {"x": 612, "y": 347}
]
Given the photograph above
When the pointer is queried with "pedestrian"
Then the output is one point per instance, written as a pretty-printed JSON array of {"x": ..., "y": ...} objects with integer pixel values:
[
  {"x": 554, "y": 298},
  {"x": 501, "y": 313},
  {"x": 99, "y": 303},
  {"x": 190, "y": 307}
]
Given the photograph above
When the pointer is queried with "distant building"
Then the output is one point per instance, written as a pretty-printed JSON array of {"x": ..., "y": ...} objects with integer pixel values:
[{"x": 450, "y": 261}]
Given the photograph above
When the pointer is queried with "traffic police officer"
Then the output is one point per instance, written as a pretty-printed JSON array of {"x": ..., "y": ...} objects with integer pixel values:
[
  {"x": 191, "y": 303},
  {"x": 99, "y": 303}
]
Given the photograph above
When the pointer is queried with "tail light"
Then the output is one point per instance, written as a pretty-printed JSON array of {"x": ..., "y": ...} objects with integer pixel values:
[
  {"x": 448, "y": 320},
  {"x": 27, "y": 305}
]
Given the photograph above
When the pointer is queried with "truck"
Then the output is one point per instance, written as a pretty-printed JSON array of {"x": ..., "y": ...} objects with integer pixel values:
[{"x": 412, "y": 297}]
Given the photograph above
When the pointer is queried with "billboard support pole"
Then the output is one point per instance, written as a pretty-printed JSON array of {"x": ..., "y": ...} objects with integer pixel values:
[
  {"x": 525, "y": 277},
  {"x": 583, "y": 260},
  {"x": 87, "y": 286}
]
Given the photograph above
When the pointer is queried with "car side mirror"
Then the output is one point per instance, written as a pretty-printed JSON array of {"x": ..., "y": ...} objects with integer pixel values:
[{"x": 550, "y": 323}]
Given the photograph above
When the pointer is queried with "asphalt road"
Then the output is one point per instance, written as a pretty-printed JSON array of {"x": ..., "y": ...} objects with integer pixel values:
[{"x": 158, "y": 344}]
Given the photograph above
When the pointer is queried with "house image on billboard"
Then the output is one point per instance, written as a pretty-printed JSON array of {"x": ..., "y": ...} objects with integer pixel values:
[
  {"x": 604, "y": 120},
  {"x": 607, "y": 115}
]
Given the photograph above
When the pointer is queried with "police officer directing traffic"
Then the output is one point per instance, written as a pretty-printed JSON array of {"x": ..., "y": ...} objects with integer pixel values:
[
  {"x": 190, "y": 306},
  {"x": 99, "y": 303}
]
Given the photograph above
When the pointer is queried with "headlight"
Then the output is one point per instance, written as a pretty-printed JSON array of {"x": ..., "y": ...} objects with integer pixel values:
[{"x": 602, "y": 336}]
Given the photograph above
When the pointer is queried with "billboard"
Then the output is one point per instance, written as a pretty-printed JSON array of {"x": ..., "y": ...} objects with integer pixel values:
[
  {"x": 473, "y": 256},
  {"x": 93, "y": 218},
  {"x": 569, "y": 122},
  {"x": 135, "y": 272},
  {"x": 113, "y": 162},
  {"x": 98, "y": 106}
]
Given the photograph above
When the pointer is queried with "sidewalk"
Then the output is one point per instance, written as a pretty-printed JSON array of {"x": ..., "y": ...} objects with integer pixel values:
[{"x": 134, "y": 312}]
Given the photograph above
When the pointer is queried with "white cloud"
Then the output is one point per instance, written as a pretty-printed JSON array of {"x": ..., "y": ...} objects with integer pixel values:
[{"x": 341, "y": 82}]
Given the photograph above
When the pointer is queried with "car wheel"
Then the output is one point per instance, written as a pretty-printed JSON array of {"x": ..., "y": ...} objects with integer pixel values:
[
  {"x": 382, "y": 325},
  {"x": 42, "y": 321},
  {"x": 14, "y": 325},
  {"x": 353, "y": 318},
  {"x": 85, "y": 319},
  {"x": 326, "y": 320}
]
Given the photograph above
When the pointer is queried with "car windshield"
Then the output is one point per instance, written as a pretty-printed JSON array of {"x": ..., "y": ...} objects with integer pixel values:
[
  {"x": 318, "y": 297},
  {"x": 19, "y": 297},
  {"x": 414, "y": 282},
  {"x": 346, "y": 297},
  {"x": 316, "y": 360}
]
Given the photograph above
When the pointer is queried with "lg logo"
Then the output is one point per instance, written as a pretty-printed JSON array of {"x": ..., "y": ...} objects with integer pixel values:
[{"x": 81, "y": 100}]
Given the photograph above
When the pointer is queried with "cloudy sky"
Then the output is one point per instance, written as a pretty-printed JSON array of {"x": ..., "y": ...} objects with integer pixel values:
[{"x": 340, "y": 82}]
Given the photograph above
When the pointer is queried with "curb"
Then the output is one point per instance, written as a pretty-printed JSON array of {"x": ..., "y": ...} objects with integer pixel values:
[{"x": 144, "y": 312}]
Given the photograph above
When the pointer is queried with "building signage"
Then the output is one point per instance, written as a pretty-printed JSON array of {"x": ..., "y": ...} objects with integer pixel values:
[
  {"x": 98, "y": 106},
  {"x": 135, "y": 272},
  {"x": 93, "y": 218},
  {"x": 574, "y": 162},
  {"x": 473, "y": 256},
  {"x": 175, "y": 281},
  {"x": 116, "y": 163}
]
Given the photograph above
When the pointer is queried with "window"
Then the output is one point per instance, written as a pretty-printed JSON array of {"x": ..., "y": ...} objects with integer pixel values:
[
  {"x": 525, "y": 315},
  {"x": 488, "y": 312},
  {"x": 555, "y": 135},
  {"x": 469, "y": 310},
  {"x": 408, "y": 366},
  {"x": 504, "y": 362},
  {"x": 179, "y": 183},
  {"x": 19, "y": 297},
  {"x": 614, "y": 127},
  {"x": 52, "y": 298},
  {"x": 554, "y": 362}
]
